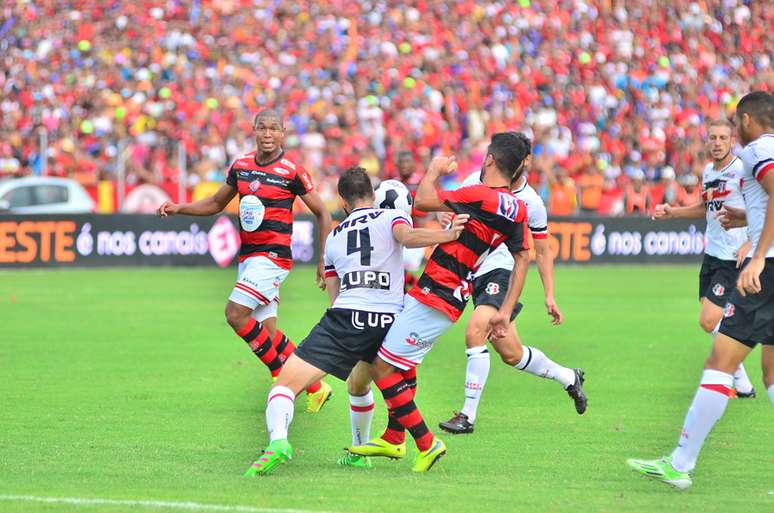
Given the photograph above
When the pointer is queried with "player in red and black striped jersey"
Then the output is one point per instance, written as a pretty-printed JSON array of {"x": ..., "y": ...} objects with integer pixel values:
[
  {"x": 268, "y": 183},
  {"x": 496, "y": 217}
]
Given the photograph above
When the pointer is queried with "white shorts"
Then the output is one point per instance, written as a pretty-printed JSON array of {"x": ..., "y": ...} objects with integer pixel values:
[
  {"x": 258, "y": 285},
  {"x": 412, "y": 258},
  {"x": 413, "y": 334}
]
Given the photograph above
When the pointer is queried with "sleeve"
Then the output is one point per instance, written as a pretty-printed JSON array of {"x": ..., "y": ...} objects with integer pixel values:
[
  {"x": 400, "y": 217},
  {"x": 462, "y": 200},
  {"x": 231, "y": 177},
  {"x": 517, "y": 241},
  {"x": 302, "y": 182},
  {"x": 537, "y": 219},
  {"x": 329, "y": 269},
  {"x": 762, "y": 161}
]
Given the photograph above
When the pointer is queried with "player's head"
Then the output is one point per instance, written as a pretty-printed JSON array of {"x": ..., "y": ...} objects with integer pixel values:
[
  {"x": 754, "y": 116},
  {"x": 505, "y": 155},
  {"x": 405, "y": 163},
  {"x": 720, "y": 138},
  {"x": 355, "y": 189},
  {"x": 269, "y": 131}
]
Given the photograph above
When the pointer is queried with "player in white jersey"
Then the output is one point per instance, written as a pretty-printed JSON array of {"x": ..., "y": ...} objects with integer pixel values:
[
  {"x": 726, "y": 249},
  {"x": 749, "y": 315},
  {"x": 489, "y": 287},
  {"x": 364, "y": 278}
]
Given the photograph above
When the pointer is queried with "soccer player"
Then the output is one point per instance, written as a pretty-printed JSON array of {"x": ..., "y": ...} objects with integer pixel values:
[
  {"x": 489, "y": 286},
  {"x": 439, "y": 298},
  {"x": 748, "y": 319},
  {"x": 364, "y": 278},
  {"x": 721, "y": 185},
  {"x": 267, "y": 182}
]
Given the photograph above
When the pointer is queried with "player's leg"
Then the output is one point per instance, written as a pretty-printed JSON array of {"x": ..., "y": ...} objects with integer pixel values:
[
  {"x": 712, "y": 304},
  {"x": 767, "y": 363},
  {"x": 239, "y": 317},
  {"x": 361, "y": 413},
  {"x": 533, "y": 361}
]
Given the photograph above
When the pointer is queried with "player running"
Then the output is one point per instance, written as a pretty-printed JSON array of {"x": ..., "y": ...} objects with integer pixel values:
[
  {"x": 749, "y": 314},
  {"x": 489, "y": 286},
  {"x": 439, "y": 298},
  {"x": 364, "y": 277},
  {"x": 267, "y": 182},
  {"x": 721, "y": 185}
]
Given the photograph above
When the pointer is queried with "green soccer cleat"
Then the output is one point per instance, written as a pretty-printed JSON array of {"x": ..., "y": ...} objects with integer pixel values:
[
  {"x": 277, "y": 453},
  {"x": 662, "y": 470},
  {"x": 353, "y": 460},
  {"x": 426, "y": 459},
  {"x": 379, "y": 447},
  {"x": 315, "y": 401}
]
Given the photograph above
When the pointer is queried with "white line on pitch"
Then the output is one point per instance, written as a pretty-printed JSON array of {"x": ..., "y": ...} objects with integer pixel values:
[{"x": 150, "y": 504}]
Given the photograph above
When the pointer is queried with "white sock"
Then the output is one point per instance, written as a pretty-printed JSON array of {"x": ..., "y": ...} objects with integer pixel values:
[
  {"x": 535, "y": 362},
  {"x": 475, "y": 379},
  {"x": 771, "y": 393},
  {"x": 361, "y": 411},
  {"x": 279, "y": 412},
  {"x": 707, "y": 407},
  {"x": 742, "y": 381}
]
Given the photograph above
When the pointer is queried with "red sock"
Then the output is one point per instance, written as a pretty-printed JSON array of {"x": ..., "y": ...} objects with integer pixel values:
[
  {"x": 257, "y": 337},
  {"x": 399, "y": 397},
  {"x": 395, "y": 433}
]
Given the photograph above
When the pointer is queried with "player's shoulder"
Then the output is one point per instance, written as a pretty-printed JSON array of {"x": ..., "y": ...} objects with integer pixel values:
[
  {"x": 244, "y": 161},
  {"x": 528, "y": 194},
  {"x": 759, "y": 149}
]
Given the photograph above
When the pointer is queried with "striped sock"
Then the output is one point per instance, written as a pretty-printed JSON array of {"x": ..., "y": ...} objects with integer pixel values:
[
  {"x": 395, "y": 433},
  {"x": 707, "y": 407},
  {"x": 400, "y": 401},
  {"x": 284, "y": 347},
  {"x": 259, "y": 340}
]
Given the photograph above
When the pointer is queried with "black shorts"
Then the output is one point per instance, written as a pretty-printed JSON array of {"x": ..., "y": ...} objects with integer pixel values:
[
  {"x": 717, "y": 278},
  {"x": 490, "y": 289},
  {"x": 750, "y": 319},
  {"x": 344, "y": 337}
]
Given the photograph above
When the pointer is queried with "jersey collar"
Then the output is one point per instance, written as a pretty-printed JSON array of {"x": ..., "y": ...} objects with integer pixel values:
[{"x": 264, "y": 164}]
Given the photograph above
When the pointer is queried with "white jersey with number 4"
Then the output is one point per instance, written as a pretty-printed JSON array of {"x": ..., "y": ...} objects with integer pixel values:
[
  {"x": 364, "y": 254},
  {"x": 723, "y": 187},
  {"x": 537, "y": 220},
  {"x": 758, "y": 159}
]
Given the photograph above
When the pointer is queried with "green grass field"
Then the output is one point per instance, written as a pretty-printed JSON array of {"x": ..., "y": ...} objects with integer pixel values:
[{"x": 128, "y": 384}]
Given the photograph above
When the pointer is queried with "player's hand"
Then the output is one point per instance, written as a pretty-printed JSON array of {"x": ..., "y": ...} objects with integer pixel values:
[
  {"x": 498, "y": 325},
  {"x": 741, "y": 253},
  {"x": 554, "y": 312},
  {"x": 749, "y": 281},
  {"x": 457, "y": 225},
  {"x": 731, "y": 217},
  {"x": 662, "y": 211},
  {"x": 168, "y": 209},
  {"x": 320, "y": 279},
  {"x": 443, "y": 166},
  {"x": 445, "y": 218}
]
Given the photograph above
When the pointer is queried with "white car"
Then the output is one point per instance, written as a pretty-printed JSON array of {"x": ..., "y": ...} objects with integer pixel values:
[{"x": 44, "y": 195}]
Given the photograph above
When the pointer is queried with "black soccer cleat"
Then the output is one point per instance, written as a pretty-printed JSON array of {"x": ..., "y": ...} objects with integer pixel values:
[
  {"x": 575, "y": 391},
  {"x": 457, "y": 425},
  {"x": 746, "y": 395}
]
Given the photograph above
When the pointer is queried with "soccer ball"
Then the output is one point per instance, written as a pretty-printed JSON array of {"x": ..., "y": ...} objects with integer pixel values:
[{"x": 393, "y": 194}]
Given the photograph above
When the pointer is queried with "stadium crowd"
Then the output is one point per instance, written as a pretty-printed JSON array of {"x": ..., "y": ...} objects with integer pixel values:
[{"x": 614, "y": 93}]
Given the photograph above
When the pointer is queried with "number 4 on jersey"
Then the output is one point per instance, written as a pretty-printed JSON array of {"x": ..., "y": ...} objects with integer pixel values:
[{"x": 359, "y": 241}]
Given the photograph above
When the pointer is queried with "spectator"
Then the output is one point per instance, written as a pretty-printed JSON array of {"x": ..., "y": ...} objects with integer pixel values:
[
  {"x": 591, "y": 183},
  {"x": 563, "y": 200},
  {"x": 637, "y": 196}
]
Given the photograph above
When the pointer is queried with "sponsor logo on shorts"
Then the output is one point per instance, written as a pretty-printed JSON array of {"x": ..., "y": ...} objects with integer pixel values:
[
  {"x": 492, "y": 288},
  {"x": 277, "y": 283},
  {"x": 728, "y": 311},
  {"x": 718, "y": 289},
  {"x": 255, "y": 185},
  {"x": 414, "y": 340},
  {"x": 361, "y": 320}
]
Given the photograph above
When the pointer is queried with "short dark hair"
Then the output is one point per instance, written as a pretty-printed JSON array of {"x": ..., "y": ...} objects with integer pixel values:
[
  {"x": 268, "y": 113},
  {"x": 759, "y": 105},
  {"x": 509, "y": 149},
  {"x": 355, "y": 184}
]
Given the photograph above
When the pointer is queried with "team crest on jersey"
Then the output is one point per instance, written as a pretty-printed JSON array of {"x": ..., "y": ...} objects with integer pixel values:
[
  {"x": 492, "y": 288},
  {"x": 728, "y": 311},
  {"x": 718, "y": 289},
  {"x": 508, "y": 207},
  {"x": 255, "y": 185}
]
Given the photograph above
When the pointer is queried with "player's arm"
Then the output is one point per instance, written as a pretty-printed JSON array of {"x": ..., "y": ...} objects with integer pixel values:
[
  {"x": 423, "y": 237},
  {"x": 427, "y": 197},
  {"x": 545, "y": 264},
  {"x": 332, "y": 285},
  {"x": 315, "y": 204},
  {"x": 666, "y": 211},
  {"x": 204, "y": 207},
  {"x": 750, "y": 277},
  {"x": 731, "y": 217}
]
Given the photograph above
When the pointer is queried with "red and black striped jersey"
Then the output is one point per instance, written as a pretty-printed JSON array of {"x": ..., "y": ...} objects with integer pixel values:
[
  {"x": 276, "y": 184},
  {"x": 496, "y": 217}
]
